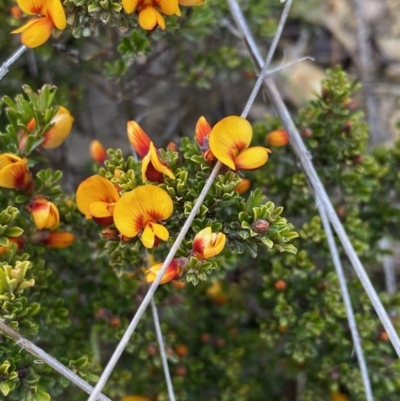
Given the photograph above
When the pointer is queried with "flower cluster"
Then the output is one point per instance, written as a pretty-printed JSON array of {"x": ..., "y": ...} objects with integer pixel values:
[
  {"x": 15, "y": 174},
  {"x": 142, "y": 215}
]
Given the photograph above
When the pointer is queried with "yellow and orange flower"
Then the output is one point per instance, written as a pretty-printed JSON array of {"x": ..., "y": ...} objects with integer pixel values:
[
  {"x": 203, "y": 130},
  {"x": 14, "y": 173},
  {"x": 140, "y": 211},
  {"x": 44, "y": 213},
  {"x": 230, "y": 140},
  {"x": 207, "y": 244},
  {"x": 97, "y": 151},
  {"x": 173, "y": 272},
  {"x": 96, "y": 198},
  {"x": 38, "y": 30},
  {"x": 278, "y": 138},
  {"x": 54, "y": 239},
  {"x": 243, "y": 186},
  {"x": 57, "y": 134},
  {"x": 150, "y": 11},
  {"x": 153, "y": 168}
]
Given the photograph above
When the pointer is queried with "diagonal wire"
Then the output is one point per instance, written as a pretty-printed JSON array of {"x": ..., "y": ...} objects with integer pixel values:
[
  {"x": 17, "y": 54},
  {"x": 150, "y": 293},
  {"x": 162, "y": 350},
  {"x": 314, "y": 180},
  {"x": 59, "y": 367},
  {"x": 347, "y": 301},
  {"x": 160, "y": 340}
]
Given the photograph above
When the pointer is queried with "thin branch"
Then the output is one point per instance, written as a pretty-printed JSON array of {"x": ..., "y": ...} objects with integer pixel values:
[
  {"x": 143, "y": 306},
  {"x": 347, "y": 303},
  {"x": 364, "y": 65},
  {"x": 308, "y": 168},
  {"x": 162, "y": 351},
  {"x": 39, "y": 353},
  {"x": 270, "y": 55},
  {"x": 17, "y": 54},
  {"x": 388, "y": 268}
]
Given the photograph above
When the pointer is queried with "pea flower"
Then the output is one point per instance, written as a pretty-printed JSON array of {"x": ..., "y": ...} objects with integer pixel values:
[
  {"x": 140, "y": 212},
  {"x": 278, "y": 138},
  {"x": 54, "y": 239},
  {"x": 153, "y": 168},
  {"x": 149, "y": 11},
  {"x": 45, "y": 214},
  {"x": 57, "y": 134},
  {"x": 203, "y": 130},
  {"x": 230, "y": 140},
  {"x": 11, "y": 240},
  {"x": 38, "y": 30},
  {"x": 173, "y": 272},
  {"x": 97, "y": 151},
  {"x": 96, "y": 198},
  {"x": 14, "y": 173},
  {"x": 207, "y": 244}
]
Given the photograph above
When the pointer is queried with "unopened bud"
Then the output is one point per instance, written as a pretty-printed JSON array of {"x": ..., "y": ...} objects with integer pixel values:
[
  {"x": 306, "y": 132},
  {"x": 260, "y": 226},
  {"x": 347, "y": 127},
  {"x": 280, "y": 285}
]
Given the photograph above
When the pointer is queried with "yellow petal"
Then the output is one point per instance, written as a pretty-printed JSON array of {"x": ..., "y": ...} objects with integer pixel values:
[
  {"x": 33, "y": 7},
  {"x": 56, "y": 12},
  {"x": 252, "y": 158},
  {"x": 95, "y": 189},
  {"x": 99, "y": 209},
  {"x": 16, "y": 175},
  {"x": 215, "y": 246},
  {"x": 148, "y": 237},
  {"x": 190, "y": 3},
  {"x": 160, "y": 20},
  {"x": 144, "y": 204},
  {"x": 138, "y": 138},
  {"x": 158, "y": 164},
  {"x": 160, "y": 231},
  {"x": 148, "y": 18},
  {"x": 7, "y": 159},
  {"x": 228, "y": 138},
  {"x": 168, "y": 7},
  {"x": 36, "y": 32},
  {"x": 56, "y": 135},
  {"x": 130, "y": 5}
]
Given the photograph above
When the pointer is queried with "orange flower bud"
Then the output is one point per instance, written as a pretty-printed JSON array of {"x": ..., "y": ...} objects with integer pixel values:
[
  {"x": 172, "y": 146},
  {"x": 280, "y": 285},
  {"x": 243, "y": 186},
  {"x": 173, "y": 271},
  {"x": 135, "y": 398},
  {"x": 44, "y": 213},
  {"x": 56, "y": 135},
  {"x": 15, "y": 12},
  {"x": 11, "y": 240},
  {"x": 97, "y": 152},
  {"x": 182, "y": 350},
  {"x": 55, "y": 239},
  {"x": 278, "y": 138},
  {"x": 207, "y": 244}
]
